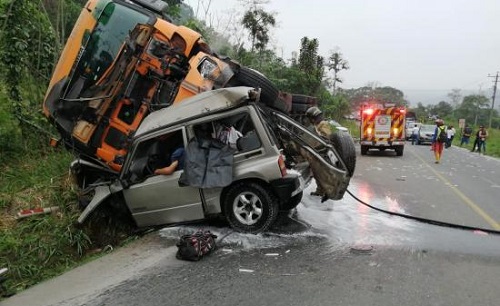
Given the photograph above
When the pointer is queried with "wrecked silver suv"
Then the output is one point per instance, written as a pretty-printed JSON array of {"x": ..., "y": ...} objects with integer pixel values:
[{"x": 248, "y": 179}]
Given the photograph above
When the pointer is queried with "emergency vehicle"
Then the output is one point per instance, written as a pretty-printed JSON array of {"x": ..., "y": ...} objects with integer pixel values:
[{"x": 382, "y": 127}]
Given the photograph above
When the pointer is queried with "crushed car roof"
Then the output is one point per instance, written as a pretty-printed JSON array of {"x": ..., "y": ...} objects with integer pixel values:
[{"x": 203, "y": 103}]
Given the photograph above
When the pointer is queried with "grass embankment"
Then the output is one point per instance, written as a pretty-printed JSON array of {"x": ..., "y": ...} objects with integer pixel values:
[
  {"x": 33, "y": 175},
  {"x": 42, "y": 246}
]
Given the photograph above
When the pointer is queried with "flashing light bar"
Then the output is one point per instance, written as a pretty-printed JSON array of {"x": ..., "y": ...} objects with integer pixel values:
[{"x": 368, "y": 111}]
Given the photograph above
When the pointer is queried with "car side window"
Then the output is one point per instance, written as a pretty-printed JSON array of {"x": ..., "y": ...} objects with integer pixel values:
[
  {"x": 155, "y": 153},
  {"x": 237, "y": 131}
]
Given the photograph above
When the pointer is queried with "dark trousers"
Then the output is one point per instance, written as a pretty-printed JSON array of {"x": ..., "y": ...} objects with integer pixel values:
[
  {"x": 414, "y": 139},
  {"x": 481, "y": 144},
  {"x": 474, "y": 145},
  {"x": 465, "y": 139}
]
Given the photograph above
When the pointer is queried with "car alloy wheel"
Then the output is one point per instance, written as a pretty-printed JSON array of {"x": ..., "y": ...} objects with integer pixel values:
[
  {"x": 247, "y": 208},
  {"x": 250, "y": 207}
]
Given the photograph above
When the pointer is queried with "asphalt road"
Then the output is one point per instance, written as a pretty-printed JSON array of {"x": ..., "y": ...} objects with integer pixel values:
[{"x": 331, "y": 253}]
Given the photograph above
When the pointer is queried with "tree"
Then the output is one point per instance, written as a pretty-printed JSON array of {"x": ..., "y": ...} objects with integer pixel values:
[
  {"x": 337, "y": 63},
  {"x": 421, "y": 111},
  {"x": 258, "y": 22},
  {"x": 311, "y": 65},
  {"x": 474, "y": 108},
  {"x": 368, "y": 94},
  {"x": 442, "y": 109},
  {"x": 26, "y": 46},
  {"x": 455, "y": 96},
  {"x": 336, "y": 106}
]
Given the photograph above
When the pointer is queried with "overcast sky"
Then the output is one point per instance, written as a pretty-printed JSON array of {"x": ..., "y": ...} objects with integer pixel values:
[{"x": 424, "y": 48}]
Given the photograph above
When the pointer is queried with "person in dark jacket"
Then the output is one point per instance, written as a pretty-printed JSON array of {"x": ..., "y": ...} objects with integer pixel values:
[{"x": 467, "y": 133}]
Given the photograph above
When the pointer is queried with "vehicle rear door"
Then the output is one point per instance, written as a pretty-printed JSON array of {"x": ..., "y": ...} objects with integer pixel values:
[{"x": 327, "y": 167}]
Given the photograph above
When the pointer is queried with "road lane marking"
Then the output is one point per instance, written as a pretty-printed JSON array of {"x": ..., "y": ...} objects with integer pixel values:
[{"x": 467, "y": 201}]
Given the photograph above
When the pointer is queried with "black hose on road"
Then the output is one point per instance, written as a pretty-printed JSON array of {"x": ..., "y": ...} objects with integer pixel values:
[{"x": 425, "y": 220}]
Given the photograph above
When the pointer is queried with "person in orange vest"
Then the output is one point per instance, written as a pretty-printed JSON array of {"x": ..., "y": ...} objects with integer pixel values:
[{"x": 438, "y": 140}]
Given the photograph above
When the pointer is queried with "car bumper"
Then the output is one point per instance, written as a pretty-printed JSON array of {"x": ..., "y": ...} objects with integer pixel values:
[
  {"x": 288, "y": 186},
  {"x": 382, "y": 143}
]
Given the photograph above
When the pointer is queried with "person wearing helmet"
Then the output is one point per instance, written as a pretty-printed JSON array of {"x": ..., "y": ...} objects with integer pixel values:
[
  {"x": 321, "y": 127},
  {"x": 438, "y": 140}
]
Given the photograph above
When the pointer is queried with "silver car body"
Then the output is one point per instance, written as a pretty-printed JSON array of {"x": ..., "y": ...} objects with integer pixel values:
[
  {"x": 158, "y": 199},
  {"x": 425, "y": 133}
]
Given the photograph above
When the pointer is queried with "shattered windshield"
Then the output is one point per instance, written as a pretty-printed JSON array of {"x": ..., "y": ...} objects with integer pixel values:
[{"x": 105, "y": 42}]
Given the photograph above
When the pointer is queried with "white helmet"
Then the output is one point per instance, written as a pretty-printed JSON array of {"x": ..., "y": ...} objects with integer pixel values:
[{"x": 313, "y": 112}]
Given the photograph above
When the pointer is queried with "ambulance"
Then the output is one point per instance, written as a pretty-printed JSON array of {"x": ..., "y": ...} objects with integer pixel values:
[{"x": 382, "y": 127}]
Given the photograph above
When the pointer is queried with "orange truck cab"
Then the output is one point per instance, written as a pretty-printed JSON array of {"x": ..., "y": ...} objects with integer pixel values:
[
  {"x": 382, "y": 127},
  {"x": 122, "y": 61}
]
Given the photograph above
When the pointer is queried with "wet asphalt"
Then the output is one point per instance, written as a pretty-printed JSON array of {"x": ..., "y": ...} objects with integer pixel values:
[{"x": 331, "y": 253}]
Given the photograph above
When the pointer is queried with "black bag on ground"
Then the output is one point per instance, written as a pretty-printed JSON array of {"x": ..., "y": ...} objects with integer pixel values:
[{"x": 194, "y": 246}]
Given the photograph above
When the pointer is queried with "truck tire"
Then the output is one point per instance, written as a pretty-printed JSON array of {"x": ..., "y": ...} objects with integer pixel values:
[
  {"x": 399, "y": 150},
  {"x": 343, "y": 143},
  {"x": 364, "y": 150},
  {"x": 299, "y": 108},
  {"x": 269, "y": 94}
]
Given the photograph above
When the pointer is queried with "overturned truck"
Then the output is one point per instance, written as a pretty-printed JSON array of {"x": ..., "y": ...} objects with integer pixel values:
[{"x": 130, "y": 86}]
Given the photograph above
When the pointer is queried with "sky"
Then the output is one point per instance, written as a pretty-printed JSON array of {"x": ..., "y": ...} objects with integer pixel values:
[{"x": 424, "y": 48}]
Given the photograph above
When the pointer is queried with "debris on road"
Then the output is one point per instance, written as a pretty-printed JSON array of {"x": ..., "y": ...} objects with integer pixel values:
[
  {"x": 25, "y": 213},
  {"x": 246, "y": 270}
]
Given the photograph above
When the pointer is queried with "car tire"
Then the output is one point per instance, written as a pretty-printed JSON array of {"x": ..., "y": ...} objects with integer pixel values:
[
  {"x": 293, "y": 202},
  {"x": 249, "y": 207},
  {"x": 364, "y": 150},
  {"x": 343, "y": 143},
  {"x": 399, "y": 150}
]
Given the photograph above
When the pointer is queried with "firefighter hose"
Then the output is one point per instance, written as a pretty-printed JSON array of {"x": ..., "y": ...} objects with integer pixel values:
[{"x": 425, "y": 220}]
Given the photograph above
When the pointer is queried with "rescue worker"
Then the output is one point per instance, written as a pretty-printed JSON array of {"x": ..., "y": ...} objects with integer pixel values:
[
  {"x": 437, "y": 141},
  {"x": 323, "y": 129}
]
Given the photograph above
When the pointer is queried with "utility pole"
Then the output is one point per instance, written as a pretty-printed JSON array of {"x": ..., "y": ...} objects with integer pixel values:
[{"x": 493, "y": 98}]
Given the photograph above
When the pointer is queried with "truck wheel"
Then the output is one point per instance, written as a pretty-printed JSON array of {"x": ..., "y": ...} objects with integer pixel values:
[
  {"x": 399, "y": 150},
  {"x": 250, "y": 208},
  {"x": 293, "y": 202},
  {"x": 343, "y": 143},
  {"x": 364, "y": 150},
  {"x": 269, "y": 93}
]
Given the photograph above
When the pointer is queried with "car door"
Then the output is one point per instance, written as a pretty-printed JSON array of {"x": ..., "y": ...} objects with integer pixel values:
[
  {"x": 327, "y": 166},
  {"x": 158, "y": 199}
]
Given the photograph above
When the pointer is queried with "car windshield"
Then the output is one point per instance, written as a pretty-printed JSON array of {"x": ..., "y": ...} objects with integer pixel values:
[
  {"x": 105, "y": 42},
  {"x": 427, "y": 128}
]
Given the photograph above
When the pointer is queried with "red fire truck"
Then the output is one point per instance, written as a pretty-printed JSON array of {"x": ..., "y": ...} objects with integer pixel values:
[{"x": 382, "y": 127}]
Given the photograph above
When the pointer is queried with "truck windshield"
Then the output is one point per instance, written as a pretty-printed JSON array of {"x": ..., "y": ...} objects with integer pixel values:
[{"x": 113, "y": 26}]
